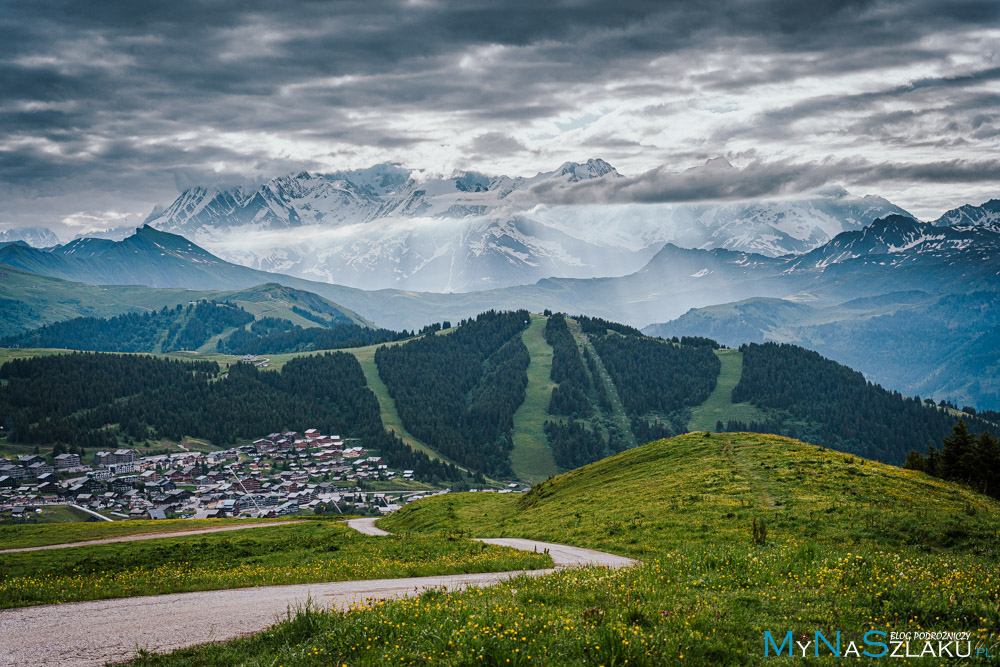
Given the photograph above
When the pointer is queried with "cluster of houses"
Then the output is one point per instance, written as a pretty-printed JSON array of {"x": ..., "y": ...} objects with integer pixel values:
[{"x": 284, "y": 473}]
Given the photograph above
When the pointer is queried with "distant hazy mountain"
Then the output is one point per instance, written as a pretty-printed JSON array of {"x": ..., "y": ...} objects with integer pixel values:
[
  {"x": 29, "y": 301},
  {"x": 854, "y": 279},
  {"x": 893, "y": 255},
  {"x": 113, "y": 234},
  {"x": 386, "y": 226},
  {"x": 912, "y": 305},
  {"x": 39, "y": 237},
  {"x": 933, "y": 345}
]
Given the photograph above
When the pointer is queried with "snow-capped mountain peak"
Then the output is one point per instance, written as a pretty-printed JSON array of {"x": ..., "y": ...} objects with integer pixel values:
[
  {"x": 36, "y": 237},
  {"x": 388, "y": 226},
  {"x": 986, "y": 215}
]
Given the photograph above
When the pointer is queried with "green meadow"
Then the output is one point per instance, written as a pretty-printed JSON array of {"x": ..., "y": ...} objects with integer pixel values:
[
  {"x": 313, "y": 551},
  {"x": 738, "y": 534}
]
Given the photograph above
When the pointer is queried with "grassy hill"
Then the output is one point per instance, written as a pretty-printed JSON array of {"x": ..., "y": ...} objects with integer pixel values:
[
  {"x": 668, "y": 490},
  {"x": 61, "y": 314},
  {"x": 851, "y": 545},
  {"x": 29, "y": 301}
]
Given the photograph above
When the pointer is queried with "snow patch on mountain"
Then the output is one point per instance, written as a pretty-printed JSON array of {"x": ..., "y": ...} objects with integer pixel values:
[{"x": 387, "y": 226}]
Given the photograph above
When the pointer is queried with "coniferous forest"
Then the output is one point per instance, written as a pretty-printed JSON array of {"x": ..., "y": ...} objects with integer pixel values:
[
  {"x": 656, "y": 376},
  {"x": 460, "y": 390},
  {"x": 965, "y": 457},
  {"x": 456, "y": 389},
  {"x": 271, "y": 335},
  {"x": 178, "y": 328},
  {"x": 576, "y": 444},
  {"x": 822, "y": 402},
  {"x": 91, "y": 400},
  {"x": 569, "y": 397}
]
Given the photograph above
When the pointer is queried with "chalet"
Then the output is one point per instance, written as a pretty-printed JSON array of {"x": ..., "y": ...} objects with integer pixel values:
[
  {"x": 26, "y": 460},
  {"x": 67, "y": 461},
  {"x": 13, "y": 471},
  {"x": 157, "y": 514},
  {"x": 291, "y": 507},
  {"x": 87, "y": 486},
  {"x": 250, "y": 484},
  {"x": 124, "y": 468},
  {"x": 50, "y": 487},
  {"x": 180, "y": 476},
  {"x": 178, "y": 495},
  {"x": 7, "y": 482},
  {"x": 124, "y": 456},
  {"x": 36, "y": 469},
  {"x": 122, "y": 484},
  {"x": 104, "y": 459},
  {"x": 161, "y": 486}
]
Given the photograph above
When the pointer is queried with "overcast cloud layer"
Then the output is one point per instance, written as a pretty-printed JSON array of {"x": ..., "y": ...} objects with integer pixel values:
[{"x": 107, "y": 108}]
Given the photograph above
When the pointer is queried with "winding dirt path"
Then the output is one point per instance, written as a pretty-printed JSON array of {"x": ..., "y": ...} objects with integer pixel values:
[{"x": 93, "y": 633}]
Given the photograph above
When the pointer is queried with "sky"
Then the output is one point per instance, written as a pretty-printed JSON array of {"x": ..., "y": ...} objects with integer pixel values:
[{"x": 109, "y": 108}]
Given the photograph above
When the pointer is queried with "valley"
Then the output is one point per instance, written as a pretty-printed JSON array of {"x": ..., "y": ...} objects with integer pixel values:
[
  {"x": 501, "y": 333},
  {"x": 540, "y": 429},
  {"x": 672, "y": 446}
]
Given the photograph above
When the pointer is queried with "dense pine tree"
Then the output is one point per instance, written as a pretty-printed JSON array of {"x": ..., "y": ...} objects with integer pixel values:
[
  {"x": 569, "y": 397},
  {"x": 823, "y": 402},
  {"x": 966, "y": 458},
  {"x": 275, "y": 336},
  {"x": 459, "y": 391},
  {"x": 179, "y": 328},
  {"x": 88, "y": 400},
  {"x": 653, "y": 375}
]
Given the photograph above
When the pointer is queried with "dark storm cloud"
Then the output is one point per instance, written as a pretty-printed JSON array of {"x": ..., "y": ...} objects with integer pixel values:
[
  {"x": 112, "y": 91},
  {"x": 720, "y": 181}
]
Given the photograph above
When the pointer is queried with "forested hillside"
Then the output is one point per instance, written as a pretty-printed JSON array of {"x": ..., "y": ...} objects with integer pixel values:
[
  {"x": 455, "y": 390},
  {"x": 178, "y": 328},
  {"x": 569, "y": 397},
  {"x": 271, "y": 335},
  {"x": 654, "y": 376},
  {"x": 459, "y": 391},
  {"x": 820, "y": 401},
  {"x": 102, "y": 400},
  {"x": 654, "y": 382}
]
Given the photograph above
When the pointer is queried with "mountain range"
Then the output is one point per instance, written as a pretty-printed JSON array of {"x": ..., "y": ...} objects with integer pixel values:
[
  {"x": 387, "y": 226},
  {"x": 896, "y": 266}
]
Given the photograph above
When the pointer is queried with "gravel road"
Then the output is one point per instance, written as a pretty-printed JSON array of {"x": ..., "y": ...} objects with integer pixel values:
[
  {"x": 155, "y": 536},
  {"x": 92, "y": 633},
  {"x": 366, "y": 527}
]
